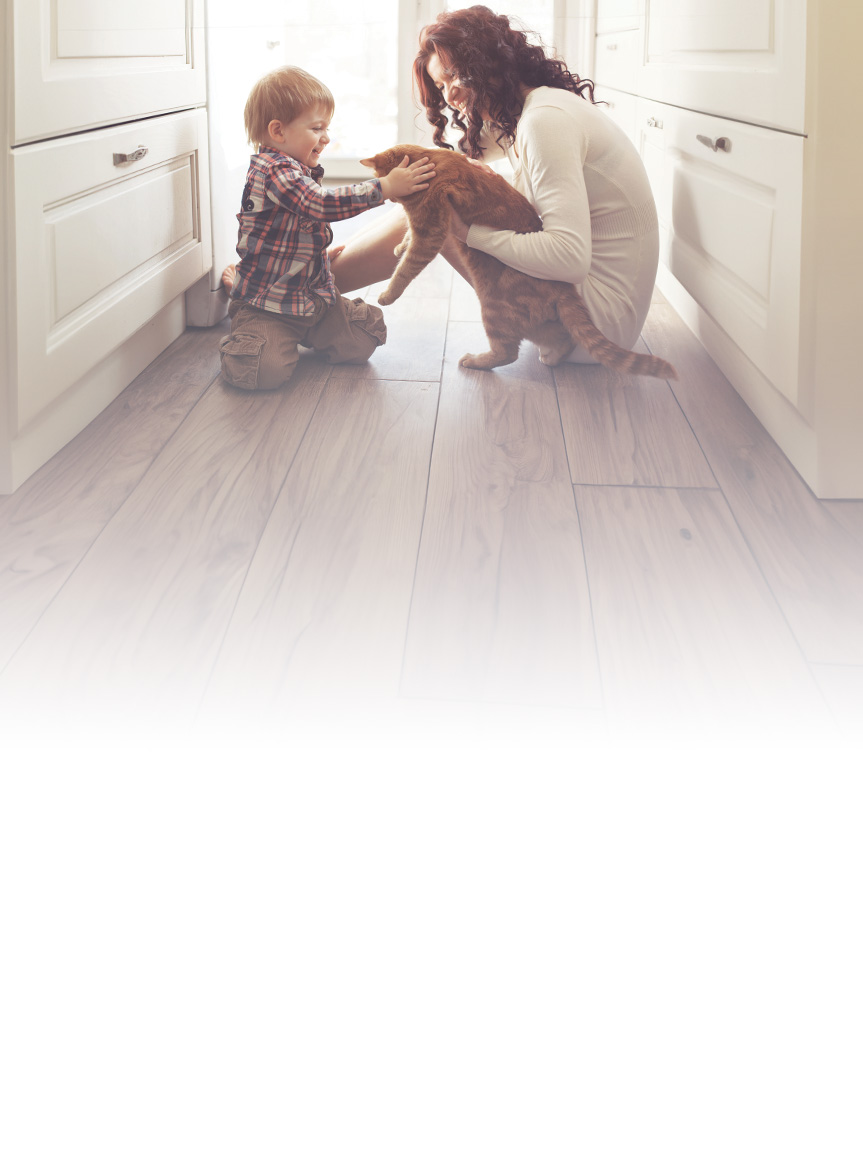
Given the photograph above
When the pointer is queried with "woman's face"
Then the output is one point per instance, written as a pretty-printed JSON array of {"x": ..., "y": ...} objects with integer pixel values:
[{"x": 453, "y": 93}]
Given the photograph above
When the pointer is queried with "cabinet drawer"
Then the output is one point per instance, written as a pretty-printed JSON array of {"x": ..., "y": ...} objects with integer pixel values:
[
  {"x": 620, "y": 107},
  {"x": 730, "y": 223},
  {"x": 79, "y": 64},
  {"x": 742, "y": 59},
  {"x": 616, "y": 15},
  {"x": 102, "y": 246},
  {"x": 617, "y": 60}
]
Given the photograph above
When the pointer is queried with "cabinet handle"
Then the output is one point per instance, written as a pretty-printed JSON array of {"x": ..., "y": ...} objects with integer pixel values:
[
  {"x": 721, "y": 144},
  {"x": 611, "y": 47},
  {"x": 654, "y": 123},
  {"x": 128, "y": 157},
  {"x": 273, "y": 44}
]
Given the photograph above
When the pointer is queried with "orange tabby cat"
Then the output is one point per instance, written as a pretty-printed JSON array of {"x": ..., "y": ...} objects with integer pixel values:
[{"x": 515, "y": 306}]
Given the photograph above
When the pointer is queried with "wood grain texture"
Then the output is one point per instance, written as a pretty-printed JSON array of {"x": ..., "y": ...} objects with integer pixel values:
[
  {"x": 323, "y": 612},
  {"x": 416, "y": 333},
  {"x": 813, "y": 563},
  {"x": 685, "y": 623},
  {"x": 625, "y": 429},
  {"x": 849, "y": 513},
  {"x": 144, "y": 613},
  {"x": 500, "y": 608},
  {"x": 47, "y": 526},
  {"x": 464, "y": 302}
]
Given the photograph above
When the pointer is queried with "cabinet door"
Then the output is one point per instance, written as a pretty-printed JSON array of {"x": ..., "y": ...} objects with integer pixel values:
[
  {"x": 616, "y": 60},
  {"x": 745, "y": 59},
  {"x": 616, "y": 15},
  {"x": 620, "y": 107},
  {"x": 82, "y": 63},
  {"x": 730, "y": 227},
  {"x": 105, "y": 238}
]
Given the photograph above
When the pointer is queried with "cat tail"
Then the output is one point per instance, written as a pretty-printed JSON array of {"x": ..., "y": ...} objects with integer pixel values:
[{"x": 574, "y": 316}]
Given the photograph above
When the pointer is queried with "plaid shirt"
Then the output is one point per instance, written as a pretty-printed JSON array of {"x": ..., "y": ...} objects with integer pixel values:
[{"x": 284, "y": 233}]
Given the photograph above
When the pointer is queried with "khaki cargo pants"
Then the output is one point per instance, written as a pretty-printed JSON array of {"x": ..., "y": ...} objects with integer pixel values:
[{"x": 262, "y": 350}]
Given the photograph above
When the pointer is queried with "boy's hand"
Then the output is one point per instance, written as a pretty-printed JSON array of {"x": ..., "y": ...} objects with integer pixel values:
[{"x": 407, "y": 178}]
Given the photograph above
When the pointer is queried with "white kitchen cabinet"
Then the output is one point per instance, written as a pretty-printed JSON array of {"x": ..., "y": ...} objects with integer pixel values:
[
  {"x": 623, "y": 109},
  {"x": 617, "y": 59},
  {"x": 617, "y": 15},
  {"x": 745, "y": 118},
  {"x": 101, "y": 243},
  {"x": 105, "y": 201},
  {"x": 742, "y": 59},
  {"x": 84, "y": 63},
  {"x": 729, "y": 196}
]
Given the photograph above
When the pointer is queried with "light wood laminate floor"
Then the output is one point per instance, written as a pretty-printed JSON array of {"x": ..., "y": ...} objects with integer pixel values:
[{"x": 528, "y": 561}]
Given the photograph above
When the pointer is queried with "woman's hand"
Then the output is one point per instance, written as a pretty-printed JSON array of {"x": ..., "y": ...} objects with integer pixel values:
[{"x": 407, "y": 178}]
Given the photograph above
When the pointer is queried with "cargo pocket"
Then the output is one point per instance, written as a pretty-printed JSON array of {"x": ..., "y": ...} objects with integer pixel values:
[{"x": 241, "y": 360}]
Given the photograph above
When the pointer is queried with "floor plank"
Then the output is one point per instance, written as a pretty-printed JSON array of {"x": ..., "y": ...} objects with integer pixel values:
[
  {"x": 324, "y": 609},
  {"x": 416, "y": 333},
  {"x": 464, "y": 302},
  {"x": 685, "y": 622},
  {"x": 47, "y": 526},
  {"x": 813, "y": 563},
  {"x": 848, "y": 512},
  {"x": 500, "y": 608},
  {"x": 142, "y": 617},
  {"x": 625, "y": 429}
]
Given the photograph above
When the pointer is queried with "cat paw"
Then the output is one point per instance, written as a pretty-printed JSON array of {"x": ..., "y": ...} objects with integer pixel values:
[
  {"x": 551, "y": 358},
  {"x": 401, "y": 249},
  {"x": 387, "y": 296},
  {"x": 476, "y": 362}
]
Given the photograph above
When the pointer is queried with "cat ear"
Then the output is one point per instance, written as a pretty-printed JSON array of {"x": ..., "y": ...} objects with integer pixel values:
[{"x": 367, "y": 163}]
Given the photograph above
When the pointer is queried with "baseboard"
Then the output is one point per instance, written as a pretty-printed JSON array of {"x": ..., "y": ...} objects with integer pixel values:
[
  {"x": 72, "y": 411},
  {"x": 794, "y": 436}
]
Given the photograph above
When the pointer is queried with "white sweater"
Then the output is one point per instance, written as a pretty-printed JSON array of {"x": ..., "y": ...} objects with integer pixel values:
[{"x": 587, "y": 181}]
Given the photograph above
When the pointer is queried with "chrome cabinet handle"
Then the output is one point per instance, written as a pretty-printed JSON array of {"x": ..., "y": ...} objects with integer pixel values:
[
  {"x": 654, "y": 123},
  {"x": 721, "y": 144},
  {"x": 128, "y": 157}
]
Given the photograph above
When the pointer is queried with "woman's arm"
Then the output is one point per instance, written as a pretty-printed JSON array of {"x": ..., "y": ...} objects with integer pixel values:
[{"x": 553, "y": 149}]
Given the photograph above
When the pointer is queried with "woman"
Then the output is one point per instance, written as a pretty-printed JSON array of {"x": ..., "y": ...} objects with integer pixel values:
[{"x": 571, "y": 161}]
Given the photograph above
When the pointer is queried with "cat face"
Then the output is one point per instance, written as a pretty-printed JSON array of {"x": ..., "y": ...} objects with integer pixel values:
[{"x": 384, "y": 162}]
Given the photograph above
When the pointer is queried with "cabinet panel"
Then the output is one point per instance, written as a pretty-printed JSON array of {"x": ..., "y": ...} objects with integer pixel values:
[
  {"x": 103, "y": 244},
  {"x": 744, "y": 59},
  {"x": 84, "y": 63},
  {"x": 730, "y": 222},
  {"x": 90, "y": 28},
  {"x": 621, "y": 107},
  {"x": 617, "y": 57},
  {"x": 616, "y": 15}
]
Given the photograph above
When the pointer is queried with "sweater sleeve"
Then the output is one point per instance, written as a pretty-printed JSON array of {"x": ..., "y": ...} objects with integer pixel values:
[
  {"x": 291, "y": 189},
  {"x": 553, "y": 148}
]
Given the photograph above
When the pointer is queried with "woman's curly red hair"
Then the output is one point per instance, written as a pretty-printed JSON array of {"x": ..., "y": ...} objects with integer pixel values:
[{"x": 492, "y": 62}]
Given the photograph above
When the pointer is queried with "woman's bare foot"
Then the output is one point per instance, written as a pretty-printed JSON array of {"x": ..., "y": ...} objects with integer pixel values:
[{"x": 228, "y": 277}]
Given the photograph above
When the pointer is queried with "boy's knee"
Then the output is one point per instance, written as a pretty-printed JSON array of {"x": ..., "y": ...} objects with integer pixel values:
[
  {"x": 361, "y": 329},
  {"x": 253, "y": 361}
]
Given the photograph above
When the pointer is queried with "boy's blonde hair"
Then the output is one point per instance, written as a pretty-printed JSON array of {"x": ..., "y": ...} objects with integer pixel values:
[{"x": 283, "y": 94}]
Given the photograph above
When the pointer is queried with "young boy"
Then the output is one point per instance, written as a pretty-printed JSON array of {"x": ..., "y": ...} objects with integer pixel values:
[{"x": 283, "y": 293}]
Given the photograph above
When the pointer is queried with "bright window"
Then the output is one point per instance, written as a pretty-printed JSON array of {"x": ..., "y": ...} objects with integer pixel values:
[
  {"x": 353, "y": 47},
  {"x": 363, "y": 50}
]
